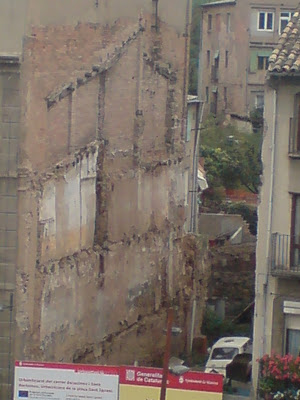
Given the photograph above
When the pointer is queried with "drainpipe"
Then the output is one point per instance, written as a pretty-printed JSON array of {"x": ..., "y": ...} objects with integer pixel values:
[
  {"x": 273, "y": 143},
  {"x": 200, "y": 76},
  {"x": 186, "y": 64},
  {"x": 270, "y": 212},
  {"x": 262, "y": 278},
  {"x": 194, "y": 191},
  {"x": 194, "y": 205}
]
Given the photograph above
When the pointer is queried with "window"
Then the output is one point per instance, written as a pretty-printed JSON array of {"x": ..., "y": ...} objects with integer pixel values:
[
  {"x": 208, "y": 58},
  {"x": 218, "y": 22},
  {"x": 285, "y": 16},
  {"x": 265, "y": 21},
  {"x": 228, "y": 21},
  {"x": 262, "y": 62},
  {"x": 155, "y": 14},
  {"x": 259, "y": 101},
  {"x": 217, "y": 59},
  {"x": 225, "y": 98},
  {"x": 214, "y": 102},
  {"x": 293, "y": 342},
  {"x": 294, "y": 140},
  {"x": 224, "y": 353},
  {"x": 215, "y": 67},
  {"x": 295, "y": 231},
  {"x": 291, "y": 311},
  {"x": 209, "y": 22},
  {"x": 207, "y": 94},
  {"x": 226, "y": 58}
]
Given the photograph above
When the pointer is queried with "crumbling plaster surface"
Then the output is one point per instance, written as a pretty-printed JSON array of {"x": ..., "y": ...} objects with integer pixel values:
[
  {"x": 67, "y": 208},
  {"x": 99, "y": 263}
]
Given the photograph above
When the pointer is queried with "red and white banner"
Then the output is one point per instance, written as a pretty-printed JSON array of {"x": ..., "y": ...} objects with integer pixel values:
[
  {"x": 57, "y": 381},
  {"x": 145, "y": 383}
]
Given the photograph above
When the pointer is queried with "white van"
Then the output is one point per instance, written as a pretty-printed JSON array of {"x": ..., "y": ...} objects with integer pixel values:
[{"x": 224, "y": 351}]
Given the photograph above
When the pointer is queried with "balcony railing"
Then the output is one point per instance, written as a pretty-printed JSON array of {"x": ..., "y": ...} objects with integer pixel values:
[
  {"x": 285, "y": 255},
  {"x": 294, "y": 138}
]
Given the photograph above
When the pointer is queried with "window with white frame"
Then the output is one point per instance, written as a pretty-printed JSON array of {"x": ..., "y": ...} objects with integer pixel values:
[
  {"x": 265, "y": 21},
  {"x": 285, "y": 16}
]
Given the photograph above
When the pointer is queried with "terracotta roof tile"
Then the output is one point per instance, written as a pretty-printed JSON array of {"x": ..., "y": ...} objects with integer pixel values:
[{"x": 285, "y": 58}]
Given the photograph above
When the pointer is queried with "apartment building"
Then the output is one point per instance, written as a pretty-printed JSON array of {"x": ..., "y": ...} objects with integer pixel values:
[
  {"x": 277, "y": 302},
  {"x": 237, "y": 38}
]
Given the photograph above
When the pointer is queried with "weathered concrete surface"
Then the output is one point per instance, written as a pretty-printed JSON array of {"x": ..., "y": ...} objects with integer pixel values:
[
  {"x": 103, "y": 201},
  {"x": 215, "y": 225}
]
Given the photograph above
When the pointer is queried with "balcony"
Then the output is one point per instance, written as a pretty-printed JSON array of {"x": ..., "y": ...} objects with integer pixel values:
[
  {"x": 294, "y": 138},
  {"x": 285, "y": 256}
]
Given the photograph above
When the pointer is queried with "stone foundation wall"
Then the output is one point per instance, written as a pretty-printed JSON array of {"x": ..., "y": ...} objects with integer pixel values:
[{"x": 233, "y": 276}]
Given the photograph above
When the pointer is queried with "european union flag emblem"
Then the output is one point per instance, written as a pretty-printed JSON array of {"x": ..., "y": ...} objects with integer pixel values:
[{"x": 23, "y": 394}]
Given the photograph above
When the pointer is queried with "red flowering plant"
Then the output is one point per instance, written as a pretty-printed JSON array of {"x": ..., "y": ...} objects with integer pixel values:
[{"x": 280, "y": 376}]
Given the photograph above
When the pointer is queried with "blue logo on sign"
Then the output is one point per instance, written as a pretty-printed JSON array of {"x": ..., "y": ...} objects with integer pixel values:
[{"x": 23, "y": 394}]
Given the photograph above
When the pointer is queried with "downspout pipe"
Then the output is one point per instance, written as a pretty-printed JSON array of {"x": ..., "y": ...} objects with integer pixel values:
[
  {"x": 262, "y": 277},
  {"x": 194, "y": 207},
  {"x": 271, "y": 193},
  {"x": 199, "y": 116},
  {"x": 270, "y": 216},
  {"x": 200, "y": 77},
  {"x": 195, "y": 166}
]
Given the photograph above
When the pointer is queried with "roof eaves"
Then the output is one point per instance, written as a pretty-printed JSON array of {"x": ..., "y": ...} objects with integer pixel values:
[
  {"x": 283, "y": 73},
  {"x": 285, "y": 58},
  {"x": 220, "y": 3}
]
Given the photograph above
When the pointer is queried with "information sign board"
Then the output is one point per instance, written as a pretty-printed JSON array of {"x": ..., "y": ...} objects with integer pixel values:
[
  {"x": 145, "y": 383},
  {"x": 55, "y": 381}
]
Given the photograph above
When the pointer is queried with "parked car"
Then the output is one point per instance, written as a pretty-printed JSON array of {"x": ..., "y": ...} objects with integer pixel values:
[{"x": 224, "y": 351}]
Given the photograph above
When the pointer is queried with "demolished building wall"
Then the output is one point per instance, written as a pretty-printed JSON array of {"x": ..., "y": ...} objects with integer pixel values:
[{"x": 102, "y": 192}]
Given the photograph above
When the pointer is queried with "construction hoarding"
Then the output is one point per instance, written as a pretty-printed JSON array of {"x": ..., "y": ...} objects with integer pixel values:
[{"x": 55, "y": 381}]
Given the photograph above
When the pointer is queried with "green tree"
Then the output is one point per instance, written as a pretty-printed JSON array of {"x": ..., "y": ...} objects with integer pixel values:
[{"x": 232, "y": 157}]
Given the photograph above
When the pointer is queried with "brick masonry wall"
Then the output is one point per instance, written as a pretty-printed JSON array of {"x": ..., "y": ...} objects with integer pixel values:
[{"x": 103, "y": 302}]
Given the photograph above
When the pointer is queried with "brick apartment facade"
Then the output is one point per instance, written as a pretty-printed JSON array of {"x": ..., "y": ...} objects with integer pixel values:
[{"x": 237, "y": 39}]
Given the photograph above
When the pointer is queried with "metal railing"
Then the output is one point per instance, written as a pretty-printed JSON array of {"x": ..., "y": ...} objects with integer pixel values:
[
  {"x": 294, "y": 137},
  {"x": 285, "y": 255}
]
